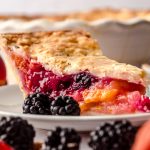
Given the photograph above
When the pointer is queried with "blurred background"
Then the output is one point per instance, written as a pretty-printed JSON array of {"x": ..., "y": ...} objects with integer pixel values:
[{"x": 54, "y": 6}]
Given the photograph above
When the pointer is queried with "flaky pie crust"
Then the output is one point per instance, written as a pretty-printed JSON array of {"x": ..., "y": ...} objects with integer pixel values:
[
  {"x": 55, "y": 43},
  {"x": 67, "y": 52}
]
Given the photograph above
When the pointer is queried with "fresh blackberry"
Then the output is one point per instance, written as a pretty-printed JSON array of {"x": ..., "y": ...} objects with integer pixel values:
[
  {"x": 17, "y": 133},
  {"x": 62, "y": 139},
  {"x": 65, "y": 105},
  {"x": 82, "y": 80},
  {"x": 118, "y": 135},
  {"x": 37, "y": 103}
]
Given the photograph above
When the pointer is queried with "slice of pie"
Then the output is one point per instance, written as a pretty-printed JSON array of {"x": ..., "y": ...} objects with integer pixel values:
[{"x": 70, "y": 63}]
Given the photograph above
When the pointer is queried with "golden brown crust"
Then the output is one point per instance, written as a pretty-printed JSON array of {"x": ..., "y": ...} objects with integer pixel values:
[
  {"x": 56, "y": 43},
  {"x": 60, "y": 63},
  {"x": 96, "y": 14}
]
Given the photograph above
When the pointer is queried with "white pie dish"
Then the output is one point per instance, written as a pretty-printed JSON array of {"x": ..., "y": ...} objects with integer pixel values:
[
  {"x": 11, "y": 105},
  {"x": 125, "y": 41}
]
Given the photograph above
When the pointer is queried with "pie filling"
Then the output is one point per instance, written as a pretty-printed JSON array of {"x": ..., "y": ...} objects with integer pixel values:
[{"x": 94, "y": 94}]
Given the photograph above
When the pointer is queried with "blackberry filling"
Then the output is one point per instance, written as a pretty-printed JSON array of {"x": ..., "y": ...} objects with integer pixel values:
[
  {"x": 64, "y": 83},
  {"x": 37, "y": 79},
  {"x": 143, "y": 104},
  {"x": 82, "y": 80}
]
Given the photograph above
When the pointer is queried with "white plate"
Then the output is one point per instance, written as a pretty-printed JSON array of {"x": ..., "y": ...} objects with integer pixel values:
[{"x": 11, "y": 105}]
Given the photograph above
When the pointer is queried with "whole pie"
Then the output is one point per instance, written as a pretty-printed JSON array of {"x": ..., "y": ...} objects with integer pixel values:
[{"x": 71, "y": 63}]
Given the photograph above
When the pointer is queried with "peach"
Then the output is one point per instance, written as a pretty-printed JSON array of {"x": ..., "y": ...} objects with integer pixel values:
[
  {"x": 93, "y": 98},
  {"x": 99, "y": 95}
]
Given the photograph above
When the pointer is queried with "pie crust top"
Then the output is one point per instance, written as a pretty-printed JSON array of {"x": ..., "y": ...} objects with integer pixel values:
[
  {"x": 56, "y": 43},
  {"x": 66, "y": 52}
]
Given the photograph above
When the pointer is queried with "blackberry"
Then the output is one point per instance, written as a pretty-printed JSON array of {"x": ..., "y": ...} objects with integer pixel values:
[
  {"x": 62, "y": 139},
  {"x": 82, "y": 80},
  {"x": 37, "y": 103},
  {"x": 118, "y": 135},
  {"x": 17, "y": 133},
  {"x": 65, "y": 105}
]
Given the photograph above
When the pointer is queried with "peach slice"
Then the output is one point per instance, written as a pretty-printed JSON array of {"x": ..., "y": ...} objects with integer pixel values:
[
  {"x": 94, "y": 97},
  {"x": 99, "y": 95},
  {"x": 86, "y": 106}
]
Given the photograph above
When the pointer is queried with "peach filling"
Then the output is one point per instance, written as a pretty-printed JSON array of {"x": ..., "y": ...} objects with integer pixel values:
[{"x": 117, "y": 97}]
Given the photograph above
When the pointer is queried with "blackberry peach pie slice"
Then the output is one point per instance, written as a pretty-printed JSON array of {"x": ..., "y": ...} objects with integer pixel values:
[{"x": 61, "y": 67}]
